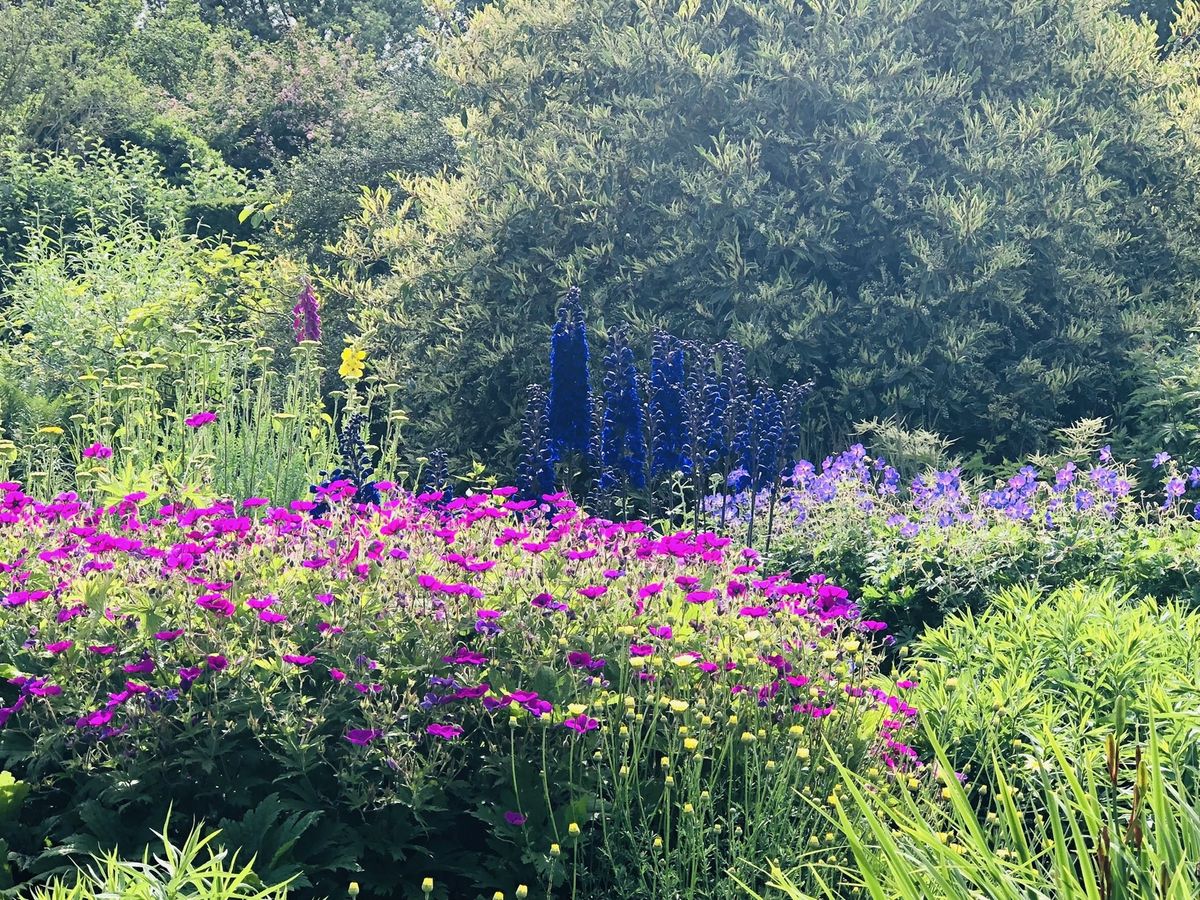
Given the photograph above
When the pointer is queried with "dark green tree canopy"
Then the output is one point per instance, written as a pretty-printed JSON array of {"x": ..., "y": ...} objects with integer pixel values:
[{"x": 962, "y": 212}]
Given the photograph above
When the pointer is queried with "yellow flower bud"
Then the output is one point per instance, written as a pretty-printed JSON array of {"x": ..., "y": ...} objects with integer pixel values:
[
  {"x": 688, "y": 809},
  {"x": 802, "y": 753},
  {"x": 426, "y": 885},
  {"x": 353, "y": 889},
  {"x": 679, "y": 706},
  {"x": 573, "y": 829},
  {"x": 522, "y": 891},
  {"x": 499, "y": 895},
  {"x": 555, "y": 850},
  {"x": 658, "y": 843},
  {"x": 748, "y": 737}
]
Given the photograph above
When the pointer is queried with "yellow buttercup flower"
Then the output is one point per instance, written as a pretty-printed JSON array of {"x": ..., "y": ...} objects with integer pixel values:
[{"x": 352, "y": 363}]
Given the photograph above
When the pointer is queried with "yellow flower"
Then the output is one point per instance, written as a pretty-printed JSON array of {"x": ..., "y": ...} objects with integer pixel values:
[
  {"x": 690, "y": 744},
  {"x": 50, "y": 429},
  {"x": 352, "y": 363},
  {"x": 573, "y": 829},
  {"x": 427, "y": 885},
  {"x": 679, "y": 706},
  {"x": 522, "y": 891},
  {"x": 555, "y": 850},
  {"x": 576, "y": 709},
  {"x": 353, "y": 889}
]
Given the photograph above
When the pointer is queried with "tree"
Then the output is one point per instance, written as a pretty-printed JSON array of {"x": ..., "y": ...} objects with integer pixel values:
[{"x": 959, "y": 212}]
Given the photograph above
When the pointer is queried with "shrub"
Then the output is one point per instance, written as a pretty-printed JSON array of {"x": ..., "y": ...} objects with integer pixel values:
[
  {"x": 1078, "y": 662},
  {"x": 483, "y": 691},
  {"x": 960, "y": 215}
]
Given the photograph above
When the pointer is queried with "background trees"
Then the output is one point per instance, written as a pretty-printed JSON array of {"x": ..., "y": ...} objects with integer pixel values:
[{"x": 953, "y": 211}]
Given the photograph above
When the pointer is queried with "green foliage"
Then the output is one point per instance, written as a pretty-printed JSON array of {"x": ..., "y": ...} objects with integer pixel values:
[
  {"x": 954, "y": 212},
  {"x": 1071, "y": 661},
  {"x": 1133, "y": 834},
  {"x": 197, "y": 869}
]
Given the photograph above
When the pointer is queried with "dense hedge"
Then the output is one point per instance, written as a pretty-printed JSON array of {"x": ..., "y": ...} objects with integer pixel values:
[{"x": 954, "y": 211}]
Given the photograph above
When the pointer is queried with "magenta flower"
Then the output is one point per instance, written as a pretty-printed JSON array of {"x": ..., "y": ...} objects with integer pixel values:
[
  {"x": 465, "y": 657},
  {"x": 97, "y": 451},
  {"x": 145, "y": 667},
  {"x": 168, "y": 635},
  {"x": 103, "y": 649},
  {"x": 661, "y": 631},
  {"x": 261, "y": 602},
  {"x": 445, "y": 732},
  {"x": 216, "y": 662},
  {"x": 360, "y": 737},
  {"x": 641, "y": 650},
  {"x": 514, "y": 818},
  {"x": 593, "y": 591},
  {"x": 95, "y": 719},
  {"x": 200, "y": 419},
  {"x": 297, "y": 659},
  {"x": 272, "y": 618},
  {"x": 577, "y": 659},
  {"x": 59, "y": 646},
  {"x": 581, "y": 724},
  {"x": 337, "y": 674}
]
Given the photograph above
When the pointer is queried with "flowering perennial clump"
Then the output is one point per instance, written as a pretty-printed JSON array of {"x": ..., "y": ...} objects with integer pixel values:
[{"x": 617, "y": 693}]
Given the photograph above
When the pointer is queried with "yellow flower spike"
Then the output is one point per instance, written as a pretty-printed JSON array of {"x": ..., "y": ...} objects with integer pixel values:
[
  {"x": 352, "y": 363},
  {"x": 573, "y": 829},
  {"x": 691, "y": 744},
  {"x": 427, "y": 886}
]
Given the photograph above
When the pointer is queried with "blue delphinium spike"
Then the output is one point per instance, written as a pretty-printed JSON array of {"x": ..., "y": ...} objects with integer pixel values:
[
  {"x": 622, "y": 439},
  {"x": 569, "y": 411},
  {"x": 668, "y": 425},
  {"x": 535, "y": 470}
]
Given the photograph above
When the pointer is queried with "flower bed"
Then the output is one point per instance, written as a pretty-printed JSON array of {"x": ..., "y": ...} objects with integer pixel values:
[{"x": 484, "y": 691}]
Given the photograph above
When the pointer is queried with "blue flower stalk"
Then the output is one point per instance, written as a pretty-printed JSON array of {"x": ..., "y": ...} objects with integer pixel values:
[
  {"x": 356, "y": 468},
  {"x": 535, "y": 469},
  {"x": 668, "y": 424},
  {"x": 622, "y": 436},
  {"x": 569, "y": 408}
]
